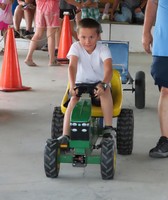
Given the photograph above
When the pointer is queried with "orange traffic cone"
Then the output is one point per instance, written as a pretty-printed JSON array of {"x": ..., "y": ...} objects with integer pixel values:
[
  {"x": 10, "y": 78},
  {"x": 65, "y": 39}
]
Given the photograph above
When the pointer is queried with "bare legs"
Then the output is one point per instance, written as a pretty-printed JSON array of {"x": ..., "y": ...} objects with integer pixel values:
[
  {"x": 28, "y": 15},
  {"x": 106, "y": 105},
  {"x": 51, "y": 45},
  {"x": 163, "y": 111},
  {"x": 33, "y": 45}
]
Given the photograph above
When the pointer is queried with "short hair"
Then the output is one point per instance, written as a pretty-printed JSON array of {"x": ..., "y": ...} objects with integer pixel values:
[{"x": 89, "y": 23}]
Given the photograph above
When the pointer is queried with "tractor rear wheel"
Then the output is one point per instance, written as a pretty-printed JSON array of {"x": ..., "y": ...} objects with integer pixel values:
[
  {"x": 125, "y": 132},
  {"x": 57, "y": 123},
  {"x": 140, "y": 90}
]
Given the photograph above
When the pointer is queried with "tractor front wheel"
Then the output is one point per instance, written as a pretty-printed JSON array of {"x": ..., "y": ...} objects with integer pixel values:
[
  {"x": 52, "y": 158},
  {"x": 108, "y": 158}
]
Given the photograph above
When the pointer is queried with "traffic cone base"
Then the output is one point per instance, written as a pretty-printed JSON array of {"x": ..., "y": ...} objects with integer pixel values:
[
  {"x": 23, "y": 88},
  {"x": 10, "y": 77}
]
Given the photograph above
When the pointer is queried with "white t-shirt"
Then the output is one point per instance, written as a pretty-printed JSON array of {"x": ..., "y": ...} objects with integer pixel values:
[{"x": 90, "y": 68}]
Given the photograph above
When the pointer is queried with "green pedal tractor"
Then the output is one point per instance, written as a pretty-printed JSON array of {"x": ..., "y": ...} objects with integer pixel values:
[{"x": 87, "y": 144}]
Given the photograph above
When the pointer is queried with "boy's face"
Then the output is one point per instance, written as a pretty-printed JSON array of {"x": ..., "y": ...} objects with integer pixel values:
[{"x": 88, "y": 38}]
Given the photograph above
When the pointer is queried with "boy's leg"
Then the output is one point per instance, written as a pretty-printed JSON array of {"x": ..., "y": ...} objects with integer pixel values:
[
  {"x": 71, "y": 105},
  {"x": 107, "y": 107},
  {"x": 33, "y": 45}
]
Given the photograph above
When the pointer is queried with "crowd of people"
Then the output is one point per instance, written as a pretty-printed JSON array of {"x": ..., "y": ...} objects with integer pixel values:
[{"x": 35, "y": 24}]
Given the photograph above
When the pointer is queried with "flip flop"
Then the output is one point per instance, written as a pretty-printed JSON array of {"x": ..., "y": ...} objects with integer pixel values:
[
  {"x": 30, "y": 63},
  {"x": 55, "y": 63}
]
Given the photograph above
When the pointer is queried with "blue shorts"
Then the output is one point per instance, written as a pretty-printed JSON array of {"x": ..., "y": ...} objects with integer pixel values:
[{"x": 159, "y": 70}]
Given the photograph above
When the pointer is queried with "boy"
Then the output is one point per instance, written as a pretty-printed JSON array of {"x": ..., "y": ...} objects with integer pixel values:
[{"x": 89, "y": 62}]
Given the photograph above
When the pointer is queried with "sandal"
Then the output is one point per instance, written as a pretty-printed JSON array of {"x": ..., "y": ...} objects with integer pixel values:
[{"x": 55, "y": 63}]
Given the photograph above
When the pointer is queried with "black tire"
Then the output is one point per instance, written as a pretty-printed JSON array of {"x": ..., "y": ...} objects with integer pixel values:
[
  {"x": 140, "y": 90},
  {"x": 125, "y": 132},
  {"x": 108, "y": 159},
  {"x": 51, "y": 158},
  {"x": 57, "y": 123}
]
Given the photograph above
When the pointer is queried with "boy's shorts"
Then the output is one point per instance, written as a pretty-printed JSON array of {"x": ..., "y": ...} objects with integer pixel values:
[
  {"x": 159, "y": 71},
  {"x": 72, "y": 13}
]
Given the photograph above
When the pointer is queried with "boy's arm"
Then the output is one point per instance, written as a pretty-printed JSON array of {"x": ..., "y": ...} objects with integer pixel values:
[
  {"x": 107, "y": 70},
  {"x": 150, "y": 16},
  {"x": 107, "y": 77},
  {"x": 72, "y": 70}
]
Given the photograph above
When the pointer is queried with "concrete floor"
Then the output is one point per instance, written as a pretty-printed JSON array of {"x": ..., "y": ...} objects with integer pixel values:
[{"x": 25, "y": 123}]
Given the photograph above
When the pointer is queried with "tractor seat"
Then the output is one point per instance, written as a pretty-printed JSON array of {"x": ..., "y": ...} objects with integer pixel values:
[{"x": 116, "y": 94}]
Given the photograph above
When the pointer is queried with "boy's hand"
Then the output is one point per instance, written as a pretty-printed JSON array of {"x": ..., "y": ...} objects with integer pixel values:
[
  {"x": 99, "y": 90},
  {"x": 73, "y": 91}
]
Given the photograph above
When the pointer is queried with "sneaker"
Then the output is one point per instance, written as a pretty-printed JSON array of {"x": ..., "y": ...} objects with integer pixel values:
[
  {"x": 28, "y": 35},
  {"x": 64, "y": 141},
  {"x": 16, "y": 34},
  {"x": 109, "y": 132},
  {"x": 105, "y": 16},
  {"x": 45, "y": 47},
  {"x": 161, "y": 149}
]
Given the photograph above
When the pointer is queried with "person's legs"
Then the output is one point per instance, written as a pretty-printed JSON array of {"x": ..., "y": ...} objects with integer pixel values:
[
  {"x": 3, "y": 33},
  {"x": 106, "y": 8},
  {"x": 106, "y": 11},
  {"x": 74, "y": 34},
  {"x": 57, "y": 37},
  {"x": 78, "y": 17},
  {"x": 124, "y": 16},
  {"x": 17, "y": 18},
  {"x": 33, "y": 45},
  {"x": 161, "y": 149},
  {"x": 29, "y": 17},
  {"x": 139, "y": 17},
  {"x": 163, "y": 111}
]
